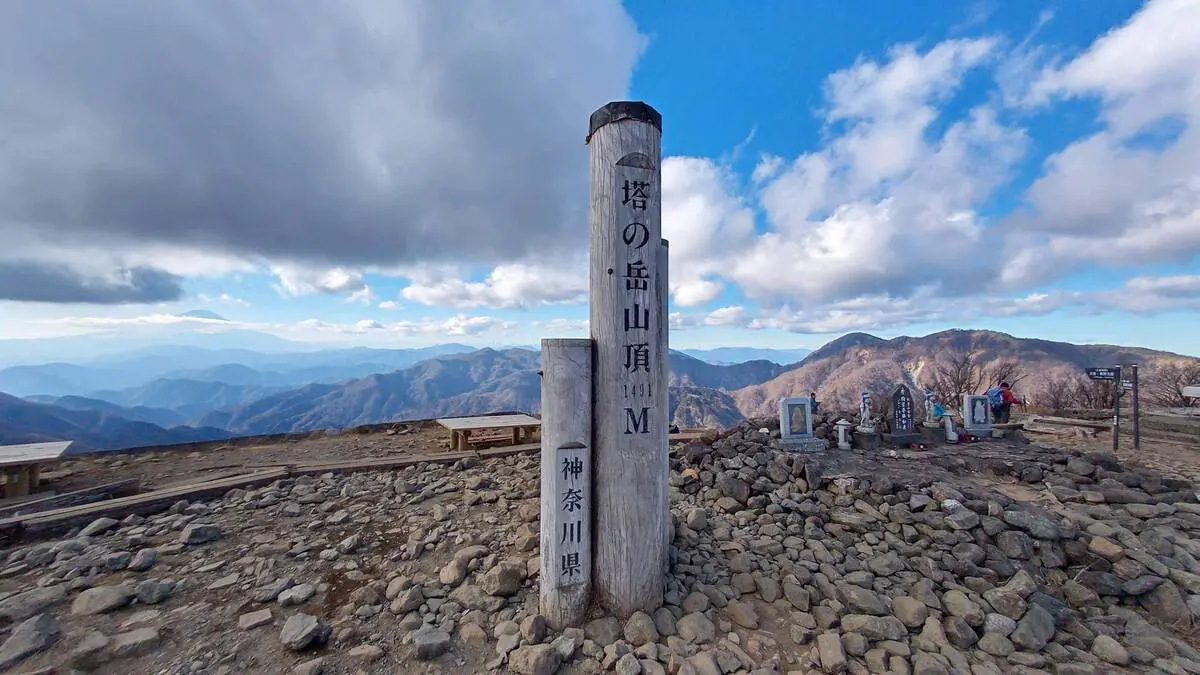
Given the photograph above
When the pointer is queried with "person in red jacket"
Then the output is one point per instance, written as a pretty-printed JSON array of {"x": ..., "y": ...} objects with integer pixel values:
[{"x": 1002, "y": 412}]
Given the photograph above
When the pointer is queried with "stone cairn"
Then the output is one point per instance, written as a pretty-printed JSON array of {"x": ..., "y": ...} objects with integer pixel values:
[{"x": 891, "y": 566}]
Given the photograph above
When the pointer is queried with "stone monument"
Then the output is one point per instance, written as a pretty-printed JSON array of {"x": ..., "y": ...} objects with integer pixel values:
[
  {"x": 795, "y": 425},
  {"x": 865, "y": 436},
  {"x": 843, "y": 432},
  {"x": 902, "y": 419},
  {"x": 977, "y": 415}
]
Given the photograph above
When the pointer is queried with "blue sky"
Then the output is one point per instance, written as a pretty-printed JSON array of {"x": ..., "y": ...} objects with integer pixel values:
[{"x": 1026, "y": 167}]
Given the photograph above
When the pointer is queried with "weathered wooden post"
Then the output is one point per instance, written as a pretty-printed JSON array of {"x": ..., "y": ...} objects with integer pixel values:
[
  {"x": 1137, "y": 411},
  {"x": 566, "y": 494},
  {"x": 629, "y": 422},
  {"x": 1116, "y": 439}
]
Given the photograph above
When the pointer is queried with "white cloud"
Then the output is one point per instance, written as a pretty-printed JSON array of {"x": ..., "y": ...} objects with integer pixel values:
[
  {"x": 563, "y": 326},
  {"x": 726, "y": 316},
  {"x": 510, "y": 286},
  {"x": 296, "y": 280},
  {"x": 705, "y": 222},
  {"x": 390, "y": 305},
  {"x": 1129, "y": 194}
]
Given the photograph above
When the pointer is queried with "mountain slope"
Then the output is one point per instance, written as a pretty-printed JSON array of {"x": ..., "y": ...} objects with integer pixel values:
[
  {"x": 158, "y": 416},
  {"x": 841, "y": 370},
  {"x": 27, "y": 422},
  {"x": 690, "y": 371}
]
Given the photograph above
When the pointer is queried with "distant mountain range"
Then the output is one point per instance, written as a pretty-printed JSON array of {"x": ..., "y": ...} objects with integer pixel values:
[
  {"x": 147, "y": 398},
  {"x": 725, "y": 356}
]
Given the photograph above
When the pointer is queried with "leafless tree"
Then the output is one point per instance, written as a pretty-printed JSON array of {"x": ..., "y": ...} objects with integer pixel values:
[
  {"x": 1005, "y": 370},
  {"x": 1165, "y": 386},
  {"x": 957, "y": 378},
  {"x": 1056, "y": 394},
  {"x": 1094, "y": 395}
]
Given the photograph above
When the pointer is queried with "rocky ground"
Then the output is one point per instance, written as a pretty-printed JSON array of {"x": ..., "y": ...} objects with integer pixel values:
[{"x": 982, "y": 558}]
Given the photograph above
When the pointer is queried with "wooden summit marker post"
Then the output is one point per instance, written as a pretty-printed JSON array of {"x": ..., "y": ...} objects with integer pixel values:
[
  {"x": 566, "y": 493},
  {"x": 628, "y": 322}
]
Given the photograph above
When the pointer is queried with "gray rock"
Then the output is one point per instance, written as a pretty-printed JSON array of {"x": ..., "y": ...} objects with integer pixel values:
[
  {"x": 1034, "y": 629},
  {"x": 302, "y": 631},
  {"x": 833, "y": 657},
  {"x": 640, "y": 629},
  {"x": 31, "y": 636},
  {"x": 28, "y": 603},
  {"x": 603, "y": 631},
  {"x": 135, "y": 642},
  {"x": 1038, "y": 527},
  {"x": 296, "y": 595},
  {"x": 995, "y": 644},
  {"x": 430, "y": 642},
  {"x": 911, "y": 611},
  {"x": 1110, "y": 651},
  {"x": 696, "y": 628},
  {"x": 251, "y": 620},
  {"x": 101, "y": 599},
  {"x": 958, "y": 631},
  {"x": 503, "y": 580},
  {"x": 312, "y": 667},
  {"x": 153, "y": 591},
  {"x": 99, "y": 526},
  {"x": 90, "y": 651},
  {"x": 860, "y": 600},
  {"x": 199, "y": 533},
  {"x": 743, "y": 614},
  {"x": 533, "y": 628},
  {"x": 534, "y": 660},
  {"x": 875, "y": 627}
]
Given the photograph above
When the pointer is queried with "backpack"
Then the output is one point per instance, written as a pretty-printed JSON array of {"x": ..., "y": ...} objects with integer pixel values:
[{"x": 995, "y": 397}]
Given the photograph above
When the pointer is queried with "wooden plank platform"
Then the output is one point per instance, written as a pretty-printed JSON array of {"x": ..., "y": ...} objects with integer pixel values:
[
  {"x": 121, "y": 488},
  {"x": 463, "y": 428}
]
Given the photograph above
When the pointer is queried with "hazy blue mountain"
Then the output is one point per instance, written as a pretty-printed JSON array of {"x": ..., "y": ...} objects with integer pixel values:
[
  {"x": 159, "y": 416},
  {"x": 481, "y": 381},
  {"x": 190, "y": 398},
  {"x": 690, "y": 371},
  {"x": 142, "y": 366},
  {"x": 27, "y": 422},
  {"x": 724, "y": 356}
]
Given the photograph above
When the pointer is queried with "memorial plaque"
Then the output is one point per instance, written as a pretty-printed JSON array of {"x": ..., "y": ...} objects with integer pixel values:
[
  {"x": 902, "y": 410},
  {"x": 795, "y": 424},
  {"x": 977, "y": 414}
]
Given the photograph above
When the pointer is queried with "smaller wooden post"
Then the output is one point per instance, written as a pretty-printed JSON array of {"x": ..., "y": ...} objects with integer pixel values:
[
  {"x": 1137, "y": 422},
  {"x": 566, "y": 487},
  {"x": 1116, "y": 409}
]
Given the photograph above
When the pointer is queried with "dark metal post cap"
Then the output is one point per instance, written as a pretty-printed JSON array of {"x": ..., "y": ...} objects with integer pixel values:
[{"x": 623, "y": 110}]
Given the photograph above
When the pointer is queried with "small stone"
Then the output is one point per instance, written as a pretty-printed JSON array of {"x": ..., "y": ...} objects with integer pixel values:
[
  {"x": 833, "y": 657},
  {"x": 696, "y": 628},
  {"x": 430, "y": 642},
  {"x": 313, "y": 667},
  {"x": 99, "y": 526},
  {"x": 199, "y": 533},
  {"x": 296, "y": 595},
  {"x": 366, "y": 653},
  {"x": 101, "y": 599},
  {"x": 534, "y": 660},
  {"x": 1106, "y": 548},
  {"x": 911, "y": 611},
  {"x": 1034, "y": 630},
  {"x": 533, "y": 628},
  {"x": 640, "y": 629},
  {"x": 90, "y": 651},
  {"x": 153, "y": 591},
  {"x": 135, "y": 642},
  {"x": 251, "y": 620},
  {"x": 31, "y": 636},
  {"x": 1110, "y": 651},
  {"x": 743, "y": 614},
  {"x": 143, "y": 560},
  {"x": 301, "y": 631}
]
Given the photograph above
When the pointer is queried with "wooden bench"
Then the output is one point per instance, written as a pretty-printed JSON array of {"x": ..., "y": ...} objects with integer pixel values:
[
  {"x": 462, "y": 429},
  {"x": 22, "y": 465}
]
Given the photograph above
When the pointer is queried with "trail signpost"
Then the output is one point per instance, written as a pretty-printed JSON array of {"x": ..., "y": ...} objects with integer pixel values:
[{"x": 1102, "y": 374}]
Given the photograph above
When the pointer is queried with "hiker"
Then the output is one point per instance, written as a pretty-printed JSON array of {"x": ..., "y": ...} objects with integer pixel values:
[
  {"x": 1002, "y": 400},
  {"x": 812, "y": 401}
]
